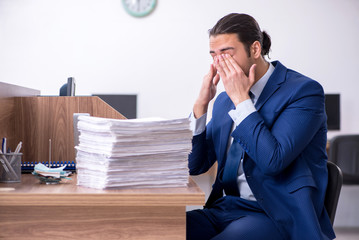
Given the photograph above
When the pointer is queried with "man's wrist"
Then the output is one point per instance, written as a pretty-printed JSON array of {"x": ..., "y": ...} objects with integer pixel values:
[
  {"x": 199, "y": 109},
  {"x": 198, "y": 125},
  {"x": 239, "y": 100},
  {"x": 243, "y": 110}
]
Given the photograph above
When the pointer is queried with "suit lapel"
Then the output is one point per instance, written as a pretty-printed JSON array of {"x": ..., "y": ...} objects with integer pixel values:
[{"x": 274, "y": 82}]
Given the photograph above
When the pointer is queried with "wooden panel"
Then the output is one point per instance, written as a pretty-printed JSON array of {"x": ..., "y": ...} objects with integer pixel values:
[
  {"x": 29, "y": 128},
  {"x": 41, "y": 119},
  {"x": 96, "y": 222},
  {"x": 98, "y": 108},
  {"x": 7, "y": 110},
  {"x": 7, "y": 124}
]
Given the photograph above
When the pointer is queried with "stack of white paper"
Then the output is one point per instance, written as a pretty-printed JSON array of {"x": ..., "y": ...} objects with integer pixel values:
[{"x": 133, "y": 153}]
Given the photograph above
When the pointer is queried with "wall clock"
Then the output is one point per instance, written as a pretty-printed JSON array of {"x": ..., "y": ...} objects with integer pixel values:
[{"x": 139, "y": 8}]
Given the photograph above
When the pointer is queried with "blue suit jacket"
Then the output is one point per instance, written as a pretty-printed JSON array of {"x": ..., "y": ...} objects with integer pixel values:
[{"x": 285, "y": 145}]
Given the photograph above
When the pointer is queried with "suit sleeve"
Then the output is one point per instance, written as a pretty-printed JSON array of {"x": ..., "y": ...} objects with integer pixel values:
[
  {"x": 202, "y": 156},
  {"x": 274, "y": 145}
]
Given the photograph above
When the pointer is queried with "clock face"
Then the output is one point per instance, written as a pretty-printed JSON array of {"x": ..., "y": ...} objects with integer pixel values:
[{"x": 139, "y": 8}]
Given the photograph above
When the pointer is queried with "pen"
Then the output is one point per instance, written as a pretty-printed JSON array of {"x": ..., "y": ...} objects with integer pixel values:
[
  {"x": 18, "y": 147},
  {"x": 4, "y": 145},
  {"x": 2, "y": 156},
  {"x": 17, "y": 150},
  {"x": 50, "y": 163},
  {"x": 4, "y": 164}
]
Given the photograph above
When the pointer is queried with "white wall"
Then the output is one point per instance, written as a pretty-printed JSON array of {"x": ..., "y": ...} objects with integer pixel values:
[{"x": 164, "y": 56}]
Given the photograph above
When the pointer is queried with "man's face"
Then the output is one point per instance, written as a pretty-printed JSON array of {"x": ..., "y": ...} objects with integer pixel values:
[{"x": 229, "y": 43}]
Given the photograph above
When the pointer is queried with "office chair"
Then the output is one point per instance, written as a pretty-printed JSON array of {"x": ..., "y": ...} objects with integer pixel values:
[
  {"x": 344, "y": 152},
  {"x": 335, "y": 181}
]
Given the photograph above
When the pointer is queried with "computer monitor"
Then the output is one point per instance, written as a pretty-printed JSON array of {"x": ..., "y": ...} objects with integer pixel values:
[
  {"x": 126, "y": 104},
  {"x": 68, "y": 89},
  {"x": 332, "y": 108}
]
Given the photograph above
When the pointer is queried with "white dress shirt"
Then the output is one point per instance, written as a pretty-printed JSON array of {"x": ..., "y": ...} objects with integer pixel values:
[{"x": 242, "y": 110}]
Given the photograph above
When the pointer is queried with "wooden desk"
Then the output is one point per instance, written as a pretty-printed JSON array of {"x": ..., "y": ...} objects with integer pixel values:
[{"x": 68, "y": 211}]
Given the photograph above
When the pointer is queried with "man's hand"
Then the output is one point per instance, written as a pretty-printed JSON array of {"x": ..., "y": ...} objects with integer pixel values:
[
  {"x": 207, "y": 92},
  {"x": 235, "y": 81}
]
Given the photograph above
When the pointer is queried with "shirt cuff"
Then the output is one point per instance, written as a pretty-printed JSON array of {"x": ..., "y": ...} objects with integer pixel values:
[
  {"x": 198, "y": 125},
  {"x": 243, "y": 110}
]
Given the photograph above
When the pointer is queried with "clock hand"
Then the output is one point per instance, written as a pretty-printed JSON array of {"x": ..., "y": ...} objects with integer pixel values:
[{"x": 138, "y": 5}]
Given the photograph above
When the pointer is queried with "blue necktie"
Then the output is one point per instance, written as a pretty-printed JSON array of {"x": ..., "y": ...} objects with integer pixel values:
[
  {"x": 227, "y": 176},
  {"x": 230, "y": 172},
  {"x": 251, "y": 95}
]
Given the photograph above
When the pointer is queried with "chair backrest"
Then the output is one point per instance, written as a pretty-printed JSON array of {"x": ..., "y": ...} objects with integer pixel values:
[
  {"x": 344, "y": 152},
  {"x": 335, "y": 181}
]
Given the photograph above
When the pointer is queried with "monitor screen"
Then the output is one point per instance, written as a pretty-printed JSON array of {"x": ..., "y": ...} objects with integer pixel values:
[
  {"x": 126, "y": 104},
  {"x": 68, "y": 89},
  {"x": 332, "y": 108}
]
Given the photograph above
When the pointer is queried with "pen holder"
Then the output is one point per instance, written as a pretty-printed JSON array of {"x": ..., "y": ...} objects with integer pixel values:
[{"x": 10, "y": 167}]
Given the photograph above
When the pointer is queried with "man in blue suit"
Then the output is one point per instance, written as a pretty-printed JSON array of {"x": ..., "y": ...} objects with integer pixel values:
[{"x": 268, "y": 135}]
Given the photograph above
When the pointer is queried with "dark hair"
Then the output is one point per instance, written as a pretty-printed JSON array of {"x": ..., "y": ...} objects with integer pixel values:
[{"x": 246, "y": 28}]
